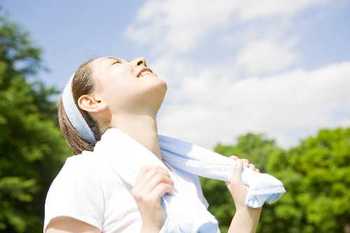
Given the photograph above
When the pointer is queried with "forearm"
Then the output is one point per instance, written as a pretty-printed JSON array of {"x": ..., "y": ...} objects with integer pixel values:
[{"x": 245, "y": 220}]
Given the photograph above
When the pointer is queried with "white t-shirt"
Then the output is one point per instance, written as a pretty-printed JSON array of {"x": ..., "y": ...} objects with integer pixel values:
[{"x": 87, "y": 189}]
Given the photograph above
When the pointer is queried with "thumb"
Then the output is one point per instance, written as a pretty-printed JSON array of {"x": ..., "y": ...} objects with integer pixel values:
[{"x": 237, "y": 167}]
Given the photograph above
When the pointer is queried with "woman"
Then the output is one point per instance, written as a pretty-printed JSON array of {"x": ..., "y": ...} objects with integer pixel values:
[{"x": 116, "y": 93}]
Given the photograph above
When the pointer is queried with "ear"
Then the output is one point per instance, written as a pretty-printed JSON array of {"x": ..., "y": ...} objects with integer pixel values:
[{"x": 90, "y": 103}]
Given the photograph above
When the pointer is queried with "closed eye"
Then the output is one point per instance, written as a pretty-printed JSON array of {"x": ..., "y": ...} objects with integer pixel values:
[{"x": 116, "y": 61}]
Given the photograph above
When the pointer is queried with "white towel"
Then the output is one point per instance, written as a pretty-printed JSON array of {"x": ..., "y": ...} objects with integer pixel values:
[{"x": 185, "y": 212}]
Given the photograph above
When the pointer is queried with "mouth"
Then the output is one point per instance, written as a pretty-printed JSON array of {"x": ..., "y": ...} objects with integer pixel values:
[{"x": 143, "y": 72}]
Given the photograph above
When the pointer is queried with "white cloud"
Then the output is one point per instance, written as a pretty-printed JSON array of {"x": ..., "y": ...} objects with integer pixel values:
[
  {"x": 211, "y": 101},
  {"x": 251, "y": 9},
  {"x": 265, "y": 56},
  {"x": 287, "y": 106},
  {"x": 178, "y": 26}
]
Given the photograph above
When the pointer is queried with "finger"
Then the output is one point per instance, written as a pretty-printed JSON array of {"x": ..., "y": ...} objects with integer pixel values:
[
  {"x": 141, "y": 173},
  {"x": 156, "y": 180},
  {"x": 237, "y": 170},
  {"x": 248, "y": 164},
  {"x": 252, "y": 166},
  {"x": 161, "y": 189},
  {"x": 146, "y": 175},
  {"x": 152, "y": 171},
  {"x": 245, "y": 162},
  {"x": 234, "y": 157},
  {"x": 158, "y": 175},
  {"x": 163, "y": 170},
  {"x": 144, "y": 169}
]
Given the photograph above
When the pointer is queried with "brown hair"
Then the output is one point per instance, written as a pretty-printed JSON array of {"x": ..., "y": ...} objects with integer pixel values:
[{"x": 82, "y": 84}]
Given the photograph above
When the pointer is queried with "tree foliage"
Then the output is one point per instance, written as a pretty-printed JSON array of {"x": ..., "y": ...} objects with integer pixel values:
[
  {"x": 316, "y": 174},
  {"x": 32, "y": 148}
]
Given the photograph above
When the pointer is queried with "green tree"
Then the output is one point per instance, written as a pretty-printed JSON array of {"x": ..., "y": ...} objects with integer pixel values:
[
  {"x": 258, "y": 149},
  {"x": 32, "y": 149},
  {"x": 316, "y": 176},
  {"x": 320, "y": 188}
]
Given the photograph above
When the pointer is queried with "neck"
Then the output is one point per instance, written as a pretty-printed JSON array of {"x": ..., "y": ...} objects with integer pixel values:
[{"x": 141, "y": 127}]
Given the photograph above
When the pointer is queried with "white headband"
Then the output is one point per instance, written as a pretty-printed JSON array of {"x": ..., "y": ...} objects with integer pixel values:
[{"x": 74, "y": 115}]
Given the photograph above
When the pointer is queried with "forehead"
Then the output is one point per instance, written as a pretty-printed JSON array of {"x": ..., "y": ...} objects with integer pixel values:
[
  {"x": 102, "y": 63},
  {"x": 105, "y": 60}
]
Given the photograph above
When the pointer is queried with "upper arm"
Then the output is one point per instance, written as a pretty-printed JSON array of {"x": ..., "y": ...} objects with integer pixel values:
[{"x": 65, "y": 224}]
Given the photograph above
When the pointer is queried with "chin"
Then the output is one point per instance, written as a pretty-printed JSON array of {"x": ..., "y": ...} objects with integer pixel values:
[
  {"x": 154, "y": 93},
  {"x": 153, "y": 83},
  {"x": 163, "y": 87}
]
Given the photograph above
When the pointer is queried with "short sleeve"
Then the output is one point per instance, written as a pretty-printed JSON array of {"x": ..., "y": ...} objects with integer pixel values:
[{"x": 76, "y": 192}]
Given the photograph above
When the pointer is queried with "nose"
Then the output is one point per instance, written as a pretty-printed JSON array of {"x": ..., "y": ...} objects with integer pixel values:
[{"x": 140, "y": 61}]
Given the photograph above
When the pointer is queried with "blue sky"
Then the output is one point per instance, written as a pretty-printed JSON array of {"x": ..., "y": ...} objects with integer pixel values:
[
  {"x": 71, "y": 31},
  {"x": 264, "y": 66}
]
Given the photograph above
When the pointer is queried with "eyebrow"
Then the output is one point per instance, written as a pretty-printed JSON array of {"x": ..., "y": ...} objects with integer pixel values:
[{"x": 113, "y": 58}]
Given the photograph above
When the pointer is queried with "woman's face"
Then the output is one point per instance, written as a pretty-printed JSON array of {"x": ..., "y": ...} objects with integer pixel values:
[{"x": 127, "y": 86}]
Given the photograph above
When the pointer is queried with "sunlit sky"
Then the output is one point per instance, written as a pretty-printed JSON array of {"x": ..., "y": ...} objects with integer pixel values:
[{"x": 267, "y": 66}]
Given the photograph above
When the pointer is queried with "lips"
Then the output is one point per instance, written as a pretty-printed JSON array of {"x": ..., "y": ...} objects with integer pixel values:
[{"x": 143, "y": 70}]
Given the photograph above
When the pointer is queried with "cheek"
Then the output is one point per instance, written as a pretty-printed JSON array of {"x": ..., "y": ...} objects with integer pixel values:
[
  {"x": 120, "y": 89},
  {"x": 115, "y": 80}
]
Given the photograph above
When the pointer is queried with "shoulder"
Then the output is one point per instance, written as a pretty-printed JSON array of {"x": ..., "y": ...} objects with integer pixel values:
[
  {"x": 79, "y": 173},
  {"x": 82, "y": 167},
  {"x": 80, "y": 163},
  {"x": 76, "y": 191}
]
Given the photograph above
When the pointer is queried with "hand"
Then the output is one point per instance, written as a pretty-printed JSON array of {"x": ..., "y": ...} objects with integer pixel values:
[
  {"x": 237, "y": 189},
  {"x": 152, "y": 183}
]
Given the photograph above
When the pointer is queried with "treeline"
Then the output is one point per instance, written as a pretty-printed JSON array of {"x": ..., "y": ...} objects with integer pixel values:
[
  {"x": 316, "y": 173},
  {"x": 31, "y": 147}
]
